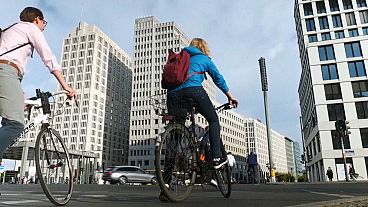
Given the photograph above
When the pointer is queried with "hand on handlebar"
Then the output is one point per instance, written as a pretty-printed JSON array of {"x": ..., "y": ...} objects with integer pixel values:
[
  {"x": 234, "y": 102},
  {"x": 72, "y": 93}
]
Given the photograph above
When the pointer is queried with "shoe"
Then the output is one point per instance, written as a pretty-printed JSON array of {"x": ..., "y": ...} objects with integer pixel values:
[
  {"x": 214, "y": 183},
  {"x": 163, "y": 198},
  {"x": 219, "y": 162}
]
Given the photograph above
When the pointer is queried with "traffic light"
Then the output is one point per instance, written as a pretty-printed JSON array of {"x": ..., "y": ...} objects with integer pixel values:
[
  {"x": 340, "y": 125},
  {"x": 347, "y": 127}
]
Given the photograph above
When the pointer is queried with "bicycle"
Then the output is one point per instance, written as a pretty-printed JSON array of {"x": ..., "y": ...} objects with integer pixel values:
[
  {"x": 52, "y": 160},
  {"x": 181, "y": 157}
]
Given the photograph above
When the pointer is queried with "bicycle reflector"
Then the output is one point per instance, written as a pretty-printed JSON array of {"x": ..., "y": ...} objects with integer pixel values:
[{"x": 202, "y": 157}]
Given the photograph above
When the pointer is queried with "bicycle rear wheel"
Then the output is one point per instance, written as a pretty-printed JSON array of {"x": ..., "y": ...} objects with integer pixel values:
[
  {"x": 223, "y": 176},
  {"x": 175, "y": 162},
  {"x": 53, "y": 167}
]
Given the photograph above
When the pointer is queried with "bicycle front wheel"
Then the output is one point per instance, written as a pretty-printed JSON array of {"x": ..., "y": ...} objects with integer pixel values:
[
  {"x": 53, "y": 167},
  {"x": 223, "y": 176},
  {"x": 175, "y": 162}
]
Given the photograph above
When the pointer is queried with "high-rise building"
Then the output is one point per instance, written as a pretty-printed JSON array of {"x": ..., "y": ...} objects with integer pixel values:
[
  {"x": 101, "y": 73},
  {"x": 332, "y": 38},
  {"x": 298, "y": 159},
  {"x": 290, "y": 158},
  {"x": 256, "y": 135},
  {"x": 153, "y": 39}
]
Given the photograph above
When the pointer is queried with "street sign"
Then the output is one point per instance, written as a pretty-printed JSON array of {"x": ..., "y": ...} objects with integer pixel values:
[{"x": 2, "y": 168}]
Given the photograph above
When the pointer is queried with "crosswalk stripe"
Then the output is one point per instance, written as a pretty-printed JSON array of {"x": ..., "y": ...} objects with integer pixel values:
[{"x": 19, "y": 202}]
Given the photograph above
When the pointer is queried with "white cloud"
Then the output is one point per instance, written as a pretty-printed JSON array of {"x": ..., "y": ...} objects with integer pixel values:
[{"x": 239, "y": 32}]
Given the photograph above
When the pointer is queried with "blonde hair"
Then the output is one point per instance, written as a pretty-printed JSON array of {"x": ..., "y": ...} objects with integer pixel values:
[{"x": 201, "y": 44}]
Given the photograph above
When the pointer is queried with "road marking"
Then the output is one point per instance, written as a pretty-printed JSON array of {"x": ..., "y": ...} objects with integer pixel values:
[
  {"x": 20, "y": 202},
  {"x": 330, "y": 194},
  {"x": 95, "y": 196}
]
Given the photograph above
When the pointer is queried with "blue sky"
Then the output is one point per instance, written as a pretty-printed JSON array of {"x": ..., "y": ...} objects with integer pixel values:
[{"x": 239, "y": 32}]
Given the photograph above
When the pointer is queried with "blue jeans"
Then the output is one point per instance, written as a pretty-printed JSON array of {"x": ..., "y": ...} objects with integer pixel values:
[
  {"x": 11, "y": 106},
  {"x": 205, "y": 107}
]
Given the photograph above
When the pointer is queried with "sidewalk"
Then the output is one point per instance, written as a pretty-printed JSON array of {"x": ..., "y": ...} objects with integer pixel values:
[{"x": 346, "y": 202}]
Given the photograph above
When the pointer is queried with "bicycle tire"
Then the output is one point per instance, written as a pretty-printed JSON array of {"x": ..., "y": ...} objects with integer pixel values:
[
  {"x": 223, "y": 176},
  {"x": 48, "y": 132},
  {"x": 180, "y": 181}
]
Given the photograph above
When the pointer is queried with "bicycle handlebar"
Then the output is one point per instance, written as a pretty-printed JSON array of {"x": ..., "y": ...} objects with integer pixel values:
[
  {"x": 225, "y": 106},
  {"x": 48, "y": 95}
]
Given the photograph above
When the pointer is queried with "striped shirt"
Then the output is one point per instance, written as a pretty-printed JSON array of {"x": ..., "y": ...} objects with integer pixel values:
[{"x": 21, "y": 33}]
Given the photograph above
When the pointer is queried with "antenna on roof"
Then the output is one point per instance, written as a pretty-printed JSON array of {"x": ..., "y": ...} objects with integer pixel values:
[{"x": 81, "y": 15}]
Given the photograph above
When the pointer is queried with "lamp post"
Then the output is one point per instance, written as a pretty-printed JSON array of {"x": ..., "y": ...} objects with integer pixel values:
[{"x": 262, "y": 67}]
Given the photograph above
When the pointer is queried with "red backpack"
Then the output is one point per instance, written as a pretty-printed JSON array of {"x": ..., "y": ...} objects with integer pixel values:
[{"x": 176, "y": 70}]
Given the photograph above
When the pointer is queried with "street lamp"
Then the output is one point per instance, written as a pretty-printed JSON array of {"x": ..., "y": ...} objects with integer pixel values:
[{"x": 262, "y": 67}]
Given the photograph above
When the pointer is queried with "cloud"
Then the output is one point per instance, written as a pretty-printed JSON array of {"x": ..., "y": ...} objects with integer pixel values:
[{"x": 239, "y": 33}]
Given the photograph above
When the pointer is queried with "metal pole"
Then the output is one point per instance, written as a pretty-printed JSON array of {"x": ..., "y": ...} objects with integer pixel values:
[
  {"x": 268, "y": 136},
  {"x": 343, "y": 155},
  {"x": 262, "y": 66},
  {"x": 304, "y": 148}
]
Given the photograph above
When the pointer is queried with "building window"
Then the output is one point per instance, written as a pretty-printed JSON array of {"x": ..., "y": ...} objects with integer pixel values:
[
  {"x": 326, "y": 52},
  {"x": 347, "y": 4},
  {"x": 321, "y": 7},
  {"x": 360, "y": 88},
  {"x": 310, "y": 25},
  {"x": 323, "y": 23},
  {"x": 362, "y": 110},
  {"x": 326, "y": 36},
  {"x": 365, "y": 30},
  {"x": 308, "y": 9},
  {"x": 333, "y": 91},
  {"x": 361, "y": 3},
  {"x": 336, "y": 140},
  {"x": 352, "y": 49},
  {"x": 339, "y": 34},
  {"x": 363, "y": 16},
  {"x": 336, "y": 111},
  {"x": 146, "y": 162},
  {"x": 364, "y": 138},
  {"x": 334, "y": 5},
  {"x": 350, "y": 18},
  {"x": 356, "y": 69},
  {"x": 353, "y": 33},
  {"x": 312, "y": 38},
  {"x": 329, "y": 72},
  {"x": 336, "y": 20}
]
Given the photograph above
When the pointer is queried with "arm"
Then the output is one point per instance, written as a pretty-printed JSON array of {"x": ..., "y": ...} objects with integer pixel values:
[
  {"x": 39, "y": 42},
  {"x": 60, "y": 78},
  {"x": 220, "y": 82}
]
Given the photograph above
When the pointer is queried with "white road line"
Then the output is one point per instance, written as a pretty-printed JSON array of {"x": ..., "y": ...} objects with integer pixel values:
[
  {"x": 20, "y": 202},
  {"x": 330, "y": 194},
  {"x": 94, "y": 196}
]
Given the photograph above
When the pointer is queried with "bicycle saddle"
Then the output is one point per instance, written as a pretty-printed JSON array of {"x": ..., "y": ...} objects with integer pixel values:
[{"x": 189, "y": 104}]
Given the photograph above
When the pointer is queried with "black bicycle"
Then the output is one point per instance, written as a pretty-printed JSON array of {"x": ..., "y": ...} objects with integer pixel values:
[{"x": 182, "y": 157}]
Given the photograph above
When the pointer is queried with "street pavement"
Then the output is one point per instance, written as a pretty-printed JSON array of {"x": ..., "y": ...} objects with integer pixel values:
[{"x": 270, "y": 195}]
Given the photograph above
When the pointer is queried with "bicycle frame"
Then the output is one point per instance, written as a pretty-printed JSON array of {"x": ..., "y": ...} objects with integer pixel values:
[{"x": 41, "y": 118}]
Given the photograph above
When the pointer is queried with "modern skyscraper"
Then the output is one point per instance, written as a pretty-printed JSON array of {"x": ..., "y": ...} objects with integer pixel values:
[
  {"x": 332, "y": 38},
  {"x": 152, "y": 40},
  {"x": 101, "y": 73}
]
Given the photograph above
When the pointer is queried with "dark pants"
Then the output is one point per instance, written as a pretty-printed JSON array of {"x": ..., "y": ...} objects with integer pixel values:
[{"x": 205, "y": 107}]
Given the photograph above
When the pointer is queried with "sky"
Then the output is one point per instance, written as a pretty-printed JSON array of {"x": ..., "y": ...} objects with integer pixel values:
[{"x": 238, "y": 32}]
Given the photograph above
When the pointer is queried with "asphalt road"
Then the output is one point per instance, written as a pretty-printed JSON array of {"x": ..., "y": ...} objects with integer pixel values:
[{"x": 242, "y": 195}]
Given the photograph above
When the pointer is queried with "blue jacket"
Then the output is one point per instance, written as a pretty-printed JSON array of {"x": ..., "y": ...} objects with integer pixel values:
[{"x": 199, "y": 62}]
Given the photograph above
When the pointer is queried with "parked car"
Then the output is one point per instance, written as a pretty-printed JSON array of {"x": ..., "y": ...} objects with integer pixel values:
[{"x": 128, "y": 174}]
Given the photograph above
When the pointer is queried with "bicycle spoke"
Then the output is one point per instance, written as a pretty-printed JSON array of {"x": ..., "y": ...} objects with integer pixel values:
[
  {"x": 175, "y": 178},
  {"x": 50, "y": 153}
]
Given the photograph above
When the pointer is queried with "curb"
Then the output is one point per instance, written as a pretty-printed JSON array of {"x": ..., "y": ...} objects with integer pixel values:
[{"x": 361, "y": 201}]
